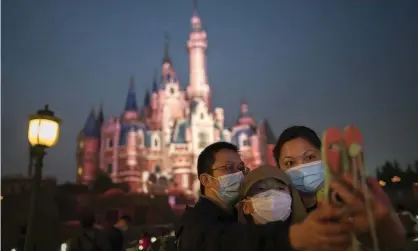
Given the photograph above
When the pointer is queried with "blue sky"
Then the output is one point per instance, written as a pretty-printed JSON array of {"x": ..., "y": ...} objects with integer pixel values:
[{"x": 317, "y": 63}]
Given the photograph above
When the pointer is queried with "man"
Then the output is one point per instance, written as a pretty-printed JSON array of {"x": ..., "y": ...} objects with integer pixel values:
[
  {"x": 212, "y": 223},
  {"x": 90, "y": 238},
  {"x": 117, "y": 234}
]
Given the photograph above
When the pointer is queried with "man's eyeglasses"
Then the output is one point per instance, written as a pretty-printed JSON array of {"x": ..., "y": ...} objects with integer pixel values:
[{"x": 233, "y": 168}]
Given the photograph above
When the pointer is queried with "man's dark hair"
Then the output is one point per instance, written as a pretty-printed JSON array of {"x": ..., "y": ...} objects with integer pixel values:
[
  {"x": 206, "y": 158},
  {"x": 292, "y": 133},
  {"x": 126, "y": 218},
  {"x": 87, "y": 220}
]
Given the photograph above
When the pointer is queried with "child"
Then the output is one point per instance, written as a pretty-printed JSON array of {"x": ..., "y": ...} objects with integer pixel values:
[{"x": 268, "y": 196}]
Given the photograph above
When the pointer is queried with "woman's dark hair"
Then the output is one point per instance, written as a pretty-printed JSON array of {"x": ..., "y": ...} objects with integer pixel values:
[{"x": 292, "y": 133}]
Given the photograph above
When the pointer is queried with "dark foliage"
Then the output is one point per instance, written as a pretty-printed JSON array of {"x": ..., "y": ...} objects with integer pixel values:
[
  {"x": 103, "y": 182},
  {"x": 408, "y": 176}
]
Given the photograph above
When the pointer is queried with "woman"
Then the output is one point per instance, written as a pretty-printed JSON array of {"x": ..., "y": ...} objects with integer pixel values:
[
  {"x": 266, "y": 196},
  {"x": 299, "y": 148}
]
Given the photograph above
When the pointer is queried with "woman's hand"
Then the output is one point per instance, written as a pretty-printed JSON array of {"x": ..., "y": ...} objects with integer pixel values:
[
  {"x": 322, "y": 230},
  {"x": 388, "y": 226}
]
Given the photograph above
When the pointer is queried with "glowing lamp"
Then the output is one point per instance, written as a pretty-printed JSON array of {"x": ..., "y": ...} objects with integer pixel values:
[
  {"x": 382, "y": 183},
  {"x": 43, "y": 128}
]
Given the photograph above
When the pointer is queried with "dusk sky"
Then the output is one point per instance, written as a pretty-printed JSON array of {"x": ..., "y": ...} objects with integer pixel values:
[{"x": 314, "y": 63}]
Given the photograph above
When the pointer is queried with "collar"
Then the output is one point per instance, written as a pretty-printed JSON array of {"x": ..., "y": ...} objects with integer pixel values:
[{"x": 228, "y": 210}]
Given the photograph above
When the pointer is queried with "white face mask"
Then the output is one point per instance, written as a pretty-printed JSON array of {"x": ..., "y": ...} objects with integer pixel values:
[{"x": 271, "y": 205}]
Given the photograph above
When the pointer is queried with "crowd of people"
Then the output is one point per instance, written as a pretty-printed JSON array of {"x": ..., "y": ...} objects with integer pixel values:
[
  {"x": 91, "y": 238},
  {"x": 269, "y": 208}
]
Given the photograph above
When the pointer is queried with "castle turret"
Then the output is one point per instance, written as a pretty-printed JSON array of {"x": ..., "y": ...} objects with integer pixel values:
[
  {"x": 131, "y": 107},
  {"x": 197, "y": 44},
  {"x": 90, "y": 151},
  {"x": 244, "y": 117}
]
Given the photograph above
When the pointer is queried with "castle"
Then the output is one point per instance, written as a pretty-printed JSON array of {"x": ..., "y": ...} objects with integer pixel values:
[{"x": 159, "y": 143}]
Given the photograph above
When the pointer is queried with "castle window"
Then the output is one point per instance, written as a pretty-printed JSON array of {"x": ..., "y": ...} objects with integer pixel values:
[
  {"x": 245, "y": 142},
  {"x": 81, "y": 145},
  {"x": 155, "y": 142},
  {"x": 202, "y": 116},
  {"x": 203, "y": 140},
  {"x": 172, "y": 91},
  {"x": 110, "y": 143},
  {"x": 109, "y": 168},
  {"x": 79, "y": 171}
]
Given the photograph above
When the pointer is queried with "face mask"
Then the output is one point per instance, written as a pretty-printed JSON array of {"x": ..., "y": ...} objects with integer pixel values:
[
  {"x": 228, "y": 187},
  {"x": 308, "y": 177},
  {"x": 271, "y": 205}
]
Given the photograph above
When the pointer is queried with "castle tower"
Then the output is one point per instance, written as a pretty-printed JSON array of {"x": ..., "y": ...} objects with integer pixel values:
[
  {"x": 170, "y": 96},
  {"x": 90, "y": 141},
  {"x": 244, "y": 117},
  {"x": 131, "y": 107},
  {"x": 196, "y": 45},
  {"x": 154, "y": 92}
]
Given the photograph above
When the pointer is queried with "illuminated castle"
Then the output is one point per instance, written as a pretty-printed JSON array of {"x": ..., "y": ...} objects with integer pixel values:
[{"x": 159, "y": 142}]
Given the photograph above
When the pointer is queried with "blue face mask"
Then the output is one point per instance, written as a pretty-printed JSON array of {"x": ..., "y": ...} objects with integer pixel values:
[
  {"x": 229, "y": 185},
  {"x": 307, "y": 178}
]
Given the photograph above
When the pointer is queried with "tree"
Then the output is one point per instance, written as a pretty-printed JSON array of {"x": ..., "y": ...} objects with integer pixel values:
[
  {"x": 103, "y": 182},
  {"x": 391, "y": 169}
]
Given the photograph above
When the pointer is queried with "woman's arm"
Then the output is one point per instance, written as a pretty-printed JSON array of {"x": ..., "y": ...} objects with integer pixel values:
[
  {"x": 389, "y": 229},
  {"x": 390, "y": 233}
]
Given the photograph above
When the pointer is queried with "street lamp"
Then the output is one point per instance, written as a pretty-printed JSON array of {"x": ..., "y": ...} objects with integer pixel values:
[{"x": 43, "y": 132}]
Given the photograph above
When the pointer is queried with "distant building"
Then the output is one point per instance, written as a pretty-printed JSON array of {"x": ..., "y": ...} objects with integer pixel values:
[{"x": 160, "y": 141}]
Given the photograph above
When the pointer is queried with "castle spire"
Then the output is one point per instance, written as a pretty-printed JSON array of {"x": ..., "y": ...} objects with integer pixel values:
[
  {"x": 194, "y": 2},
  {"x": 91, "y": 128},
  {"x": 166, "y": 58},
  {"x": 100, "y": 117},
  {"x": 131, "y": 104},
  {"x": 154, "y": 82},
  {"x": 147, "y": 99},
  {"x": 196, "y": 22}
]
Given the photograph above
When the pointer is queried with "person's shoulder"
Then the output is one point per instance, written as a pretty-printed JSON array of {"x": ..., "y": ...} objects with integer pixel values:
[{"x": 204, "y": 210}]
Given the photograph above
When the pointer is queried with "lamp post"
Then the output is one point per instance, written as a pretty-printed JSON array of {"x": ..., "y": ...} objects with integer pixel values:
[{"x": 43, "y": 133}]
